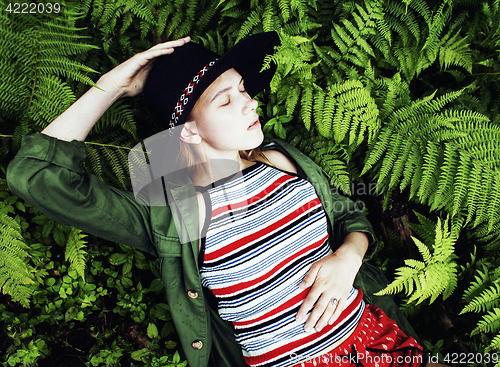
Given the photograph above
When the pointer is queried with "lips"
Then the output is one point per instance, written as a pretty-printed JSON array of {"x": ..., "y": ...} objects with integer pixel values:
[{"x": 255, "y": 124}]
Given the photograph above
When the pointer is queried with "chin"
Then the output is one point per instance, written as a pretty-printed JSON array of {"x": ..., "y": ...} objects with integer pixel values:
[{"x": 256, "y": 141}]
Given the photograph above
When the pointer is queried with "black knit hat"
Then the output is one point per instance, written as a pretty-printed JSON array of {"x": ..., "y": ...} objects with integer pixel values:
[{"x": 177, "y": 80}]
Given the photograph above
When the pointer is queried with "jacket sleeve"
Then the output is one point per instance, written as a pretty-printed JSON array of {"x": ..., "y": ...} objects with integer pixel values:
[
  {"x": 46, "y": 172},
  {"x": 347, "y": 218}
]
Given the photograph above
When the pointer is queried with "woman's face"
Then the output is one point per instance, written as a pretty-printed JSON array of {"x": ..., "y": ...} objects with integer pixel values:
[{"x": 225, "y": 116}]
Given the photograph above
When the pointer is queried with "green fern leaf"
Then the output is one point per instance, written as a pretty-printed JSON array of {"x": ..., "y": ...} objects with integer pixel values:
[
  {"x": 455, "y": 52},
  {"x": 434, "y": 276},
  {"x": 475, "y": 189},
  {"x": 494, "y": 345},
  {"x": 306, "y": 102},
  {"x": 16, "y": 277},
  {"x": 485, "y": 301},
  {"x": 75, "y": 251},
  {"x": 489, "y": 323},
  {"x": 428, "y": 170},
  {"x": 284, "y": 6},
  {"x": 319, "y": 102},
  {"x": 446, "y": 177},
  {"x": 254, "y": 20}
]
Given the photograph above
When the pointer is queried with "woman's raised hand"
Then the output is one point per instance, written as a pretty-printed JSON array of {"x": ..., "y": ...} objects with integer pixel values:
[
  {"x": 125, "y": 80},
  {"x": 128, "y": 78}
]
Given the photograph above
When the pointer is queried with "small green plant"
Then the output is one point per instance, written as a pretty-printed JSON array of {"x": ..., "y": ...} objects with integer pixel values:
[
  {"x": 434, "y": 350},
  {"x": 151, "y": 360},
  {"x": 434, "y": 276},
  {"x": 109, "y": 357},
  {"x": 27, "y": 355},
  {"x": 131, "y": 301}
]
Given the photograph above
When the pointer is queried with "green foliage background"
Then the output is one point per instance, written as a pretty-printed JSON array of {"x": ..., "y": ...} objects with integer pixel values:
[{"x": 403, "y": 93}]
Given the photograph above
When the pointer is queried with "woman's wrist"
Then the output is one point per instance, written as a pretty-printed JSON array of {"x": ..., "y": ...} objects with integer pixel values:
[
  {"x": 354, "y": 247},
  {"x": 111, "y": 91},
  {"x": 76, "y": 122}
]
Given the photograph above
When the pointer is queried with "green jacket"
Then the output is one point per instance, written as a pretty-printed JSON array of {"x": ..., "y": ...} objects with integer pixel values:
[{"x": 47, "y": 173}]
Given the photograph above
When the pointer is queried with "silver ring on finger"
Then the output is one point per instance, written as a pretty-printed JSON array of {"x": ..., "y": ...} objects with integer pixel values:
[{"x": 334, "y": 302}]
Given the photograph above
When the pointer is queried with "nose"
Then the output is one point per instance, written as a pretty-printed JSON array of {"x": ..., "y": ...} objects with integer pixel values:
[{"x": 250, "y": 106}]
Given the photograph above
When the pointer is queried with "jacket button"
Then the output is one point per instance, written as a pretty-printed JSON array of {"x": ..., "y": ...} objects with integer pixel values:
[
  {"x": 192, "y": 294},
  {"x": 197, "y": 344}
]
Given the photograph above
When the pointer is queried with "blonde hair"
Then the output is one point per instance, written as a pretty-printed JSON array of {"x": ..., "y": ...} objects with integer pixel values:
[
  {"x": 187, "y": 158},
  {"x": 254, "y": 155}
]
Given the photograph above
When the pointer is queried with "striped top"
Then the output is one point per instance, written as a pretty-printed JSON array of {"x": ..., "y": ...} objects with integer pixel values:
[{"x": 264, "y": 229}]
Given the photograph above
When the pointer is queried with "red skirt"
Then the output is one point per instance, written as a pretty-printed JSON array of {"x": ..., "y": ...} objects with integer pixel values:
[{"x": 377, "y": 341}]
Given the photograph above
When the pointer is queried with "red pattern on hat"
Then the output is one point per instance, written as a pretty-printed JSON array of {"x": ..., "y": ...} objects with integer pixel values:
[{"x": 184, "y": 98}]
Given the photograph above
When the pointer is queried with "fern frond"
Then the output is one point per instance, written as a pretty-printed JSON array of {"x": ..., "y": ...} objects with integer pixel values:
[
  {"x": 108, "y": 157},
  {"x": 429, "y": 169},
  {"x": 319, "y": 102},
  {"x": 333, "y": 158},
  {"x": 118, "y": 114},
  {"x": 451, "y": 144},
  {"x": 347, "y": 110},
  {"x": 50, "y": 89},
  {"x": 432, "y": 277},
  {"x": 426, "y": 230},
  {"x": 284, "y": 6},
  {"x": 40, "y": 52},
  {"x": 254, "y": 20},
  {"x": 307, "y": 106},
  {"x": 446, "y": 177},
  {"x": 15, "y": 275},
  {"x": 292, "y": 99},
  {"x": 494, "y": 345},
  {"x": 487, "y": 300},
  {"x": 489, "y": 323},
  {"x": 270, "y": 19},
  {"x": 75, "y": 251},
  {"x": 300, "y": 7},
  {"x": 455, "y": 51},
  {"x": 404, "y": 22},
  {"x": 436, "y": 25}
]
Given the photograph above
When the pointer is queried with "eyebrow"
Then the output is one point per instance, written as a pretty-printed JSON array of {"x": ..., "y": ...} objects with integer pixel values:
[{"x": 224, "y": 90}]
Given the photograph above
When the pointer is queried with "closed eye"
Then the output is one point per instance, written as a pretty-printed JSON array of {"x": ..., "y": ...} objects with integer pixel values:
[
  {"x": 242, "y": 85},
  {"x": 240, "y": 90}
]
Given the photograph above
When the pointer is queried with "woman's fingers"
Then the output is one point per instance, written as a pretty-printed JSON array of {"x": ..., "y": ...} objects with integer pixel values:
[
  {"x": 307, "y": 305},
  {"x": 172, "y": 44},
  {"x": 332, "y": 305},
  {"x": 130, "y": 76},
  {"x": 329, "y": 278},
  {"x": 326, "y": 310},
  {"x": 310, "y": 276},
  {"x": 165, "y": 47},
  {"x": 160, "y": 49},
  {"x": 321, "y": 307},
  {"x": 313, "y": 294},
  {"x": 338, "y": 310}
]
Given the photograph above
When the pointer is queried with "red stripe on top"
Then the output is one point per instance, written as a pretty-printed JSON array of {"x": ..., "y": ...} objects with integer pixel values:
[
  {"x": 234, "y": 246},
  {"x": 229, "y": 290},
  {"x": 290, "y": 303},
  {"x": 310, "y": 337},
  {"x": 269, "y": 189}
]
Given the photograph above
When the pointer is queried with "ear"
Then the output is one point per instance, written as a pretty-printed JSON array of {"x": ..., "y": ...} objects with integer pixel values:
[{"x": 189, "y": 133}]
